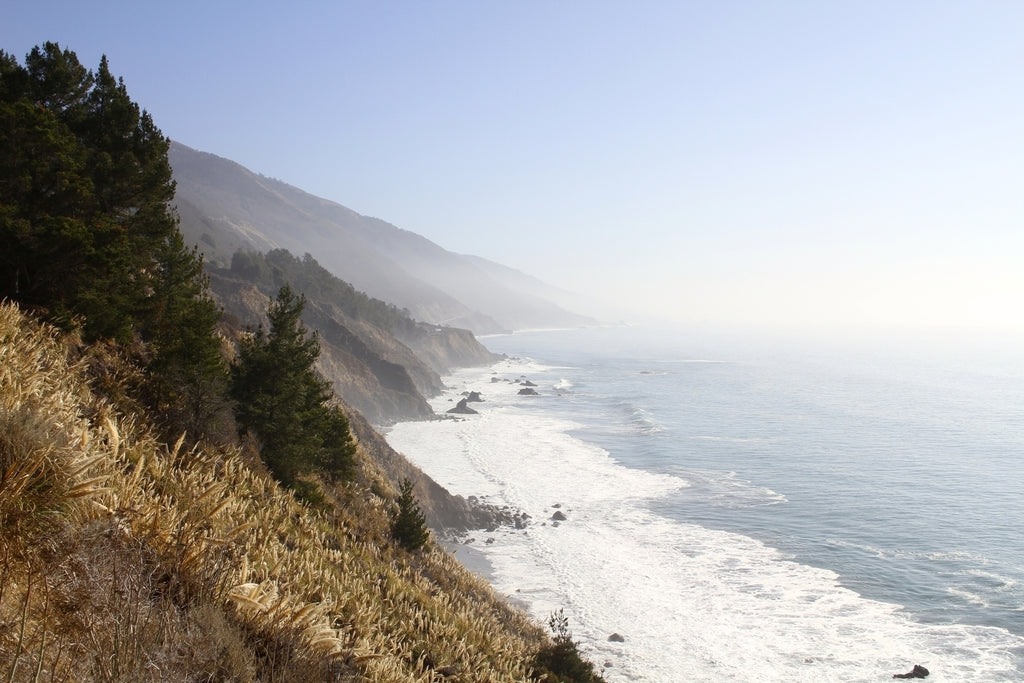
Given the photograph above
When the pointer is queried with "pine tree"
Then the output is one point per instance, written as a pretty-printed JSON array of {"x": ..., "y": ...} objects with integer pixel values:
[
  {"x": 409, "y": 525},
  {"x": 281, "y": 399},
  {"x": 87, "y": 233},
  {"x": 188, "y": 387}
]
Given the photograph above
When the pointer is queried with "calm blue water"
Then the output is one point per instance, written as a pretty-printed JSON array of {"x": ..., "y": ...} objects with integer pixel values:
[
  {"x": 753, "y": 508},
  {"x": 901, "y": 471}
]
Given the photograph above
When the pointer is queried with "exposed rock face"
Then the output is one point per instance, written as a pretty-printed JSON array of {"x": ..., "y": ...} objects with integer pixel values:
[
  {"x": 367, "y": 368},
  {"x": 462, "y": 409},
  {"x": 444, "y": 348}
]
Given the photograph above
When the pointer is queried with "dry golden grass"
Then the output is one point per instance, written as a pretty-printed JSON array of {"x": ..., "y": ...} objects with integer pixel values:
[{"x": 123, "y": 559}]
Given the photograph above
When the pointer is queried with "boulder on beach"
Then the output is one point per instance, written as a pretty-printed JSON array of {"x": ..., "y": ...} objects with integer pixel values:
[
  {"x": 528, "y": 392},
  {"x": 462, "y": 409}
]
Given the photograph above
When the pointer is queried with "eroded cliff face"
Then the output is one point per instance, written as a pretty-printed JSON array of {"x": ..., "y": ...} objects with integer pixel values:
[
  {"x": 380, "y": 380},
  {"x": 446, "y": 348},
  {"x": 358, "y": 366}
]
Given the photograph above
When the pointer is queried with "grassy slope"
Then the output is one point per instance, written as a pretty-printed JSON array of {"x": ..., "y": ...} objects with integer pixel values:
[{"x": 124, "y": 559}]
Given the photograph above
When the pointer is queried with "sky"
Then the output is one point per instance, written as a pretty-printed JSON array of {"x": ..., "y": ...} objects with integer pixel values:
[{"x": 850, "y": 165}]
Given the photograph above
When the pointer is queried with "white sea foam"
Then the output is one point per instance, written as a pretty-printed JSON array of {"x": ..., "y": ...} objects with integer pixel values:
[{"x": 692, "y": 603}]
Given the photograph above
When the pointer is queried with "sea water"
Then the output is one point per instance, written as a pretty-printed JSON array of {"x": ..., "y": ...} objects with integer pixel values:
[{"x": 752, "y": 512}]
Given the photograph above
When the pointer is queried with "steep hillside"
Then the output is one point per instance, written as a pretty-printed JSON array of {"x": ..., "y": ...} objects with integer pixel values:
[
  {"x": 122, "y": 559},
  {"x": 379, "y": 360},
  {"x": 225, "y": 207}
]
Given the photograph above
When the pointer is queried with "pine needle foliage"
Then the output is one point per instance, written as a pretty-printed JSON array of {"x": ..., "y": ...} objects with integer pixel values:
[
  {"x": 409, "y": 525},
  {"x": 88, "y": 236},
  {"x": 284, "y": 402}
]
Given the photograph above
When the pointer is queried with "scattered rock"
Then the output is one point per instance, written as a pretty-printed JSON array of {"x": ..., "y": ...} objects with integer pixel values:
[
  {"x": 528, "y": 383},
  {"x": 462, "y": 409},
  {"x": 474, "y": 397},
  {"x": 616, "y": 638},
  {"x": 558, "y": 516},
  {"x": 528, "y": 392},
  {"x": 495, "y": 380},
  {"x": 917, "y": 672},
  {"x": 557, "y": 505},
  {"x": 489, "y": 541}
]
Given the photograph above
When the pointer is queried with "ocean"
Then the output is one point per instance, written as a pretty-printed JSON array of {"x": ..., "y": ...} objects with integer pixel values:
[{"x": 754, "y": 509}]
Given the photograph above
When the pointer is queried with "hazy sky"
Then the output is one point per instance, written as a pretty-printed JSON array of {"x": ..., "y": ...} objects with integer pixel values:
[{"x": 827, "y": 162}]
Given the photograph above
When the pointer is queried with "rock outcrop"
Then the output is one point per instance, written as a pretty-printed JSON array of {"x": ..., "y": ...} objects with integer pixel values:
[
  {"x": 462, "y": 409},
  {"x": 917, "y": 672}
]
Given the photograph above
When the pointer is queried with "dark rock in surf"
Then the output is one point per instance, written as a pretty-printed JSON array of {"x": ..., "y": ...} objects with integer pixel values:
[
  {"x": 559, "y": 516},
  {"x": 616, "y": 638},
  {"x": 917, "y": 672},
  {"x": 528, "y": 383},
  {"x": 528, "y": 392},
  {"x": 474, "y": 397},
  {"x": 462, "y": 409}
]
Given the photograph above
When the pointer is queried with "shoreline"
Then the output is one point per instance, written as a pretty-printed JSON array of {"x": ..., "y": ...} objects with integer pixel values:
[
  {"x": 617, "y": 567},
  {"x": 476, "y": 561}
]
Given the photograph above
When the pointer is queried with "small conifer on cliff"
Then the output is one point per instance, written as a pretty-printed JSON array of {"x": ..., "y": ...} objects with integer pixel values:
[{"x": 409, "y": 526}]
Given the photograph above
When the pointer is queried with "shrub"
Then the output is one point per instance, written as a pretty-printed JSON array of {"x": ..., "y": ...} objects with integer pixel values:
[{"x": 560, "y": 661}]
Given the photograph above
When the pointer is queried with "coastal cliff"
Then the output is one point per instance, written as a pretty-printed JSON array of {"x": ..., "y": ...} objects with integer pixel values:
[
  {"x": 378, "y": 360},
  {"x": 122, "y": 553}
]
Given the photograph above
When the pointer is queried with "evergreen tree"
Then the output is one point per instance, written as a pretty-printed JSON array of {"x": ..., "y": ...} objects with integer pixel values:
[
  {"x": 281, "y": 399},
  {"x": 189, "y": 376},
  {"x": 409, "y": 525},
  {"x": 87, "y": 232}
]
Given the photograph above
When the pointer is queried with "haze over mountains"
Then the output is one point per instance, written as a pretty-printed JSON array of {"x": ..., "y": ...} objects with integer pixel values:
[{"x": 224, "y": 208}]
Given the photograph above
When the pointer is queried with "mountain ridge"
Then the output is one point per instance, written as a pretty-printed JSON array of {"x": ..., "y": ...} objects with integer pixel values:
[{"x": 225, "y": 207}]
